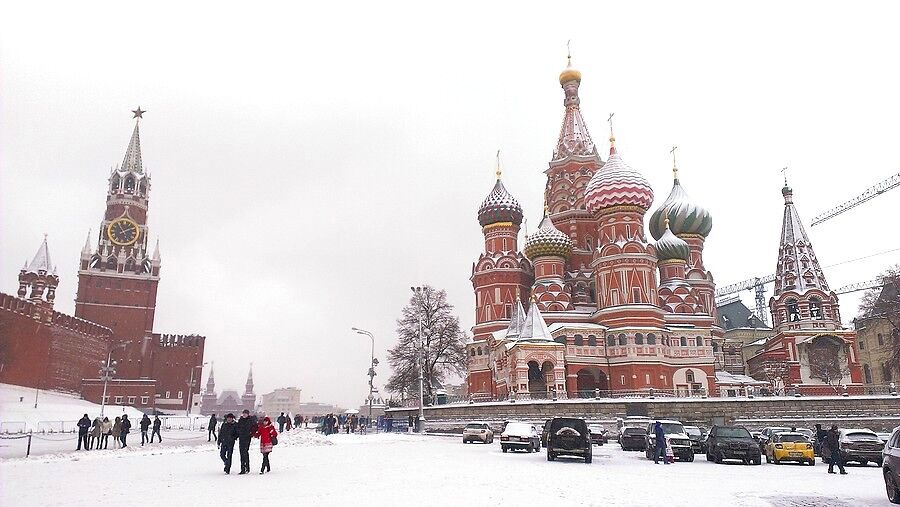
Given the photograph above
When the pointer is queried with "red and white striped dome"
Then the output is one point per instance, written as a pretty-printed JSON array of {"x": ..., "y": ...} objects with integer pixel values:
[{"x": 617, "y": 184}]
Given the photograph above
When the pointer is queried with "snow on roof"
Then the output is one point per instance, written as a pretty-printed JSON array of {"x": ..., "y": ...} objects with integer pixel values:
[
  {"x": 556, "y": 326},
  {"x": 723, "y": 377}
]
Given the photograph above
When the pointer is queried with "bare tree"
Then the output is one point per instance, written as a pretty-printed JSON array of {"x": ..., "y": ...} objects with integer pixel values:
[
  {"x": 443, "y": 344},
  {"x": 775, "y": 370},
  {"x": 883, "y": 303},
  {"x": 825, "y": 363}
]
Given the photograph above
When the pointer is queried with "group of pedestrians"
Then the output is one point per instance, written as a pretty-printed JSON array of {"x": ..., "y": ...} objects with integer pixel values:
[
  {"x": 830, "y": 444},
  {"x": 242, "y": 431},
  {"x": 285, "y": 421},
  {"x": 145, "y": 426},
  {"x": 95, "y": 435},
  {"x": 330, "y": 424}
]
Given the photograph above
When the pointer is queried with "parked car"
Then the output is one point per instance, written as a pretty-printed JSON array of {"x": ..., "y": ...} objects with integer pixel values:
[
  {"x": 633, "y": 439},
  {"x": 478, "y": 432},
  {"x": 732, "y": 442},
  {"x": 767, "y": 433},
  {"x": 861, "y": 446},
  {"x": 891, "y": 466},
  {"x": 674, "y": 430},
  {"x": 598, "y": 434},
  {"x": 569, "y": 437},
  {"x": 631, "y": 421},
  {"x": 790, "y": 447},
  {"x": 884, "y": 437},
  {"x": 521, "y": 436},
  {"x": 696, "y": 436}
]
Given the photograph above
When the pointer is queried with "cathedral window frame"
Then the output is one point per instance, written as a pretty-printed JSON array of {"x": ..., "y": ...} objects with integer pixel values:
[
  {"x": 699, "y": 341},
  {"x": 638, "y": 338},
  {"x": 651, "y": 339},
  {"x": 592, "y": 341},
  {"x": 792, "y": 307},
  {"x": 684, "y": 342},
  {"x": 579, "y": 340},
  {"x": 815, "y": 309},
  {"x": 623, "y": 339}
]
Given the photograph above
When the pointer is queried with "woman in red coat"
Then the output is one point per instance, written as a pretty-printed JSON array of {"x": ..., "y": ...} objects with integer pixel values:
[{"x": 267, "y": 436}]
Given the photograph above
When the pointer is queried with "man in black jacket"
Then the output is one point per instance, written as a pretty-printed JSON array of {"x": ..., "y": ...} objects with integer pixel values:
[
  {"x": 833, "y": 441},
  {"x": 245, "y": 427},
  {"x": 126, "y": 428},
  {"x": 84, "y": 424},
  {"x": 227, "y": 435},
  {"x": 211, "y": 428},
  {"x": 281, "y": 420},
  {"x": 156, "y": 426},
  {"x": 145, "y": 426}
]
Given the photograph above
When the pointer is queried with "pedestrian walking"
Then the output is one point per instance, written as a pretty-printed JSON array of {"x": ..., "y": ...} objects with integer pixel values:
[
  {"x": 660, "y": 443},
  {"x": 95, "y": 434},
  {"x": 84, "y": 425},
  {"x": 211, "y": 428},
  {"x": 228, "y": 434},
  {"x": 106, "y": 430},
  {"x": 245, "y": 428},
  {"x": 157, "y": 424},
  {"x": 126, "y": 428},
  {"x": 833, "y": 442},
  {"x": 117, "y": 431},
  {"x": 145, "y": 426},
  {"x": 268, "y": 437},
  {"x": 281, "y": 420},
  {"x": 298, "y": 421},
  {"x": 287, "y": 422}
]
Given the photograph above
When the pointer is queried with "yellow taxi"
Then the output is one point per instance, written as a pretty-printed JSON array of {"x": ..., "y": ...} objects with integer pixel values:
[{"x": 790, "y": 447}]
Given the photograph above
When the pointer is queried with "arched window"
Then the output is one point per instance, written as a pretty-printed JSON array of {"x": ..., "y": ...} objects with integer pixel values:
[
  {"x": 114, "y": 186},
  {"x": 793, "y": 311},
  {"x": 623, "y": 340},
  {"x": 592, "y": 341},
  {"x": 579, "y": 341},
  {"x": 638, "y": 339},
  {"x": 699, "y": 341},
  {"x": 610, "y": 341},
  {"x": 479, "y": 351},
  {"x": 111, "y": 263},
  {"x": 867, "y": 373},
  {"x": 690, "y": 376},
  {"x": 473, "y": 352},
  {"x": 683, "y": 341},
  {"x": 651, "y": 339},
  {"x": 815, "y": 308},
  {"x": 142, "y": 189},
  {"x": 560, "y": 340},
  {"x": 129, "y": 185}
]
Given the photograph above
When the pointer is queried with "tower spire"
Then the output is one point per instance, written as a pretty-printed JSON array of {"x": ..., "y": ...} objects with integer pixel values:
[
  {"x": 798, "y": 268},
  {"x": 249, "y": 385},
  {"x": 498, "y": 164},
  {"x": 86, "y": 250},
  {"x": 574, "y": 138},
  {"x": 41, "y": 260},
  {"x": 612, "y": 136},
  {"x": 132, "y": 162}
]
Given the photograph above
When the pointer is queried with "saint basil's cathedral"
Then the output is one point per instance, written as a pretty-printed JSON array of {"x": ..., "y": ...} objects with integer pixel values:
[{"x": 607, "y": 309}]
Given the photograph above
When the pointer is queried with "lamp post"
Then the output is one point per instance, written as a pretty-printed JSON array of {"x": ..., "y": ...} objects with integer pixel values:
[
  {"x": 418, "y": 291},
  {"x": 372, "y": 365},
  {"x": 107, "y": 370},
  {"x": 191, "y": 388}
]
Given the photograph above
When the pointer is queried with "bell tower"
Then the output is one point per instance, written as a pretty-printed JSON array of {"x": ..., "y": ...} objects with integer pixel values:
[{"x": 117, "y": 280}]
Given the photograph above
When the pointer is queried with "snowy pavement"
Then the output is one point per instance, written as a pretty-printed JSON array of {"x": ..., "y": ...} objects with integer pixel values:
[{"x": 399, "y": 469}]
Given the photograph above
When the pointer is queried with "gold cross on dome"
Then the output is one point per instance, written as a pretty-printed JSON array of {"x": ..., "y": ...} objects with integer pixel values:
[
  {"x": 674, "y": 165},
  {"x": 784, "y": 173},
  {"x": 498, "y": 164}
]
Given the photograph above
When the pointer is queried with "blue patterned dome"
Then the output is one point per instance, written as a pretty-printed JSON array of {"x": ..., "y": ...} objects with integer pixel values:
[
  {"x": 499, "y": 206},
  {"x": 685, "y": 216},
  {"x": 547, "y": 240}
]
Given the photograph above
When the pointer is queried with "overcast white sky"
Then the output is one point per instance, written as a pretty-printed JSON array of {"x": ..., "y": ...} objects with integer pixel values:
[{"x": 310, "y": 162}]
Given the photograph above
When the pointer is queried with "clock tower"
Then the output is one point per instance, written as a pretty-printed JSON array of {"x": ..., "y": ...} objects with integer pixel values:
[{"x": 117, "y": 280}]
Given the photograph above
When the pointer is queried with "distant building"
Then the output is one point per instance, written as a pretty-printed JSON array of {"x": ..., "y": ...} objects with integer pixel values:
[
  {"x": 229, "y": 401},
  {"x": 286, "y": 399},
  {"x": 876, "y": 339},
  {"x": 745, "y": 335},
  {"x": 314, "y": 409}
]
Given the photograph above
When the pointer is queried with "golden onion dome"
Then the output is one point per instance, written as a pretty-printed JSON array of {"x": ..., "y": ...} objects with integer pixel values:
[{"x": 569, "y": 74}]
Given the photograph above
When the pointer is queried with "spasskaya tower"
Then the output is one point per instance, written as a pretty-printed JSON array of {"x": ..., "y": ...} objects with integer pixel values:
[{"x": 117, "y": 281}]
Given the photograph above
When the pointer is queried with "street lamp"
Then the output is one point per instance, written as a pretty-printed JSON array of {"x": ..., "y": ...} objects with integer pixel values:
[
  {"x": 372, "y": 365},
  {"x": 418, "y": 291},
  {"x": 108, "y": 369},
  {"x": 191, "y": 388}
]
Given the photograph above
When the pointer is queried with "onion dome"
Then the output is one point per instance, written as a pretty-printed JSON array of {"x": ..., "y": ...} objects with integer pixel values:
[
  {"x": 669, "y": 246},
  {"x": 684, "y": 215},
  {"x": 547, "y": 240},
  {"x": 570, "y": 73},
  {"x": 617, "y": 184},
  {"x": 499, "y": 206}
]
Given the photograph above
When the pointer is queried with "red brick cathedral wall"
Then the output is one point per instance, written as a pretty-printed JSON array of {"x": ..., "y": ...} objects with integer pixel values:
[
  {"x": 174, "y": 357},
  {"x": 47, "y": 355}
]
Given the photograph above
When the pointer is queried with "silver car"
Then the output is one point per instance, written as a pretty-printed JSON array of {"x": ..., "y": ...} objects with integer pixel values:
[{"x": 478, "y": 432}]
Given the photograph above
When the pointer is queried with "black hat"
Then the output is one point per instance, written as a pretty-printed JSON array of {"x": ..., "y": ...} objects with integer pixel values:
[
  {"x": 246, "y": 412},
  {"x": 229, "y": 416}
]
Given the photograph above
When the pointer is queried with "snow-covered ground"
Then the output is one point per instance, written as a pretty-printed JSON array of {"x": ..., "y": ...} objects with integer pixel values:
[
  {"x": 403, "y": 469},
  {"x": 55, "y": 411}
]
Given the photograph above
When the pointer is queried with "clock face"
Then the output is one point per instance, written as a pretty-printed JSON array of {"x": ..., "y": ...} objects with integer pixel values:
[{"x": 123, "y": 231}]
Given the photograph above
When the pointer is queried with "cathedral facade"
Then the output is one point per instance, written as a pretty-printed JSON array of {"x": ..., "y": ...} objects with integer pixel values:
[
  {"x": 607, "y": 309},
  {"x": 115, "y": 308}
]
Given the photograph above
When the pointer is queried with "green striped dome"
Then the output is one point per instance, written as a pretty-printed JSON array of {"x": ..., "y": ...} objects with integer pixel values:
[{"x": 685, "y": 216}]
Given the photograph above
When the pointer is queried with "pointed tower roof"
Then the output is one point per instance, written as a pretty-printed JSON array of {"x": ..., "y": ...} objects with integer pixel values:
[
  {"x": 798, "y": 268},
  {"x": 534, "y": 329},
  {"x": 574, "y": 138},
  {"x": 132, "y": 162},
  {"x": 156, "y": 251},
  {"x": 249, "y": 385},
  {"x": 516, "y": 321},
  {"x": 41, "y": 260},
  {"x": 211, "y": 381},
  {"x": 86, "y": 249}
]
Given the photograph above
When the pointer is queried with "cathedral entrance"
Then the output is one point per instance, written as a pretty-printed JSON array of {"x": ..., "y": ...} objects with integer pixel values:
[
  {"x": 537, "y": 378},
  {"x": 590, "y": 379}
]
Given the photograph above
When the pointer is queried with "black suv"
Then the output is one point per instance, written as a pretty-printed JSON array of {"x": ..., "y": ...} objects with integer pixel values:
[
  {"x": 732, "y": 442},
  {"x": 632, "y": 439},
  {"x": 567, "y": 436}
]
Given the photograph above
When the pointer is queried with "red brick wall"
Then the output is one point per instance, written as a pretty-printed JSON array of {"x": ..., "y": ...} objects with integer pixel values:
[
  {"x": 92, "y": 390},
  {"x": 173, "y": 358}
]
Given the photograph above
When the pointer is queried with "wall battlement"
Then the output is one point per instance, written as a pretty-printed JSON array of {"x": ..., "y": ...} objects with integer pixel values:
[
  {"x": 179, "y": 340},
  {"x": 25, "y": 308}
]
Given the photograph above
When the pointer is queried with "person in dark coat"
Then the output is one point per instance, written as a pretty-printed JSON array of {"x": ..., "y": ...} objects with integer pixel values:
[
  {"x": 660, "y": 443},
  {"x": 833, "y": 441},
  {"x": 126, "y": 428},
  {"x": 211, "y": 428},
  {"x": 84, "y": 425},
  {"x": 145, "y": 426},
  {"x": 246, "y": 427},
  {"x": 298, "y": 420},
  {"x": 228, "y": 434},
  {"x": 157, "y": 424},
  {"x": 281, "y": 420}
]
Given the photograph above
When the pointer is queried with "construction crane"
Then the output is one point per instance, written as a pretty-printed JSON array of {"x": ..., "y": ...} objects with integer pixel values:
[
  {"x": 758, "y": 285},
  {"x": 870, "y": 193}
]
